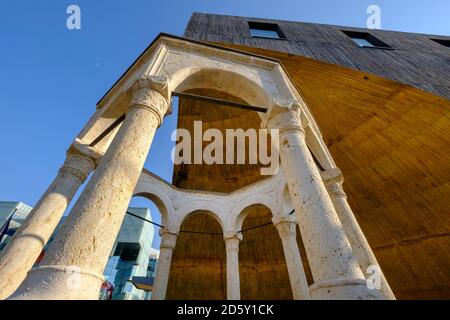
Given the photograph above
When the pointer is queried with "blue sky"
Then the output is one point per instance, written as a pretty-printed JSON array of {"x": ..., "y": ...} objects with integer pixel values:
[{"x": 52, "y": 77}]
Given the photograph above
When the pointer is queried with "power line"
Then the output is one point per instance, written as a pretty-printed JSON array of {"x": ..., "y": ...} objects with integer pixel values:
[
  {"x": 204, "y": 232},
  {"x": 146, "y": 220},
  {"x": 255, "y": 227}
]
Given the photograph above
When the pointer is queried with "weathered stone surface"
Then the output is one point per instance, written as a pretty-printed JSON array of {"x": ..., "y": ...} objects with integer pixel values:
[
  {"x": 74, "y": 263},
  {"x": 27, "y": 244},
  {"x": 84, "y": 243}
]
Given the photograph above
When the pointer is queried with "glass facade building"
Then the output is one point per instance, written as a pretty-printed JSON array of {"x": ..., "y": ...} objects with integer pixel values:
[
  {"x": 132, "y": 254},
  {"x": 18, "y": 212}
]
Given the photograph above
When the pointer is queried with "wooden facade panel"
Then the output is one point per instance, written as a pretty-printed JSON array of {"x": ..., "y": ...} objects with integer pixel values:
[
  {"x": 389, "y": 139},
  {"x": 416, "y": 60}
]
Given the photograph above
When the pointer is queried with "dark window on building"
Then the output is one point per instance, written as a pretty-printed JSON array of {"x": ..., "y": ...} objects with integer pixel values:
[
  {"x": 443, "y": 42},
  {"x": 366, "y": 40},
  {"x": 127, "y": 251},
  {"x": 265, "y": 30}
]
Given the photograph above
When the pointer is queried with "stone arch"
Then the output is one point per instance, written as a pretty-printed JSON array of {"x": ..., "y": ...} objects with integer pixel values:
[
  {"x": 233, "y": 82},
  {"x": 185, "y": 63},
  {"x": 198, "y": 268},
  {"x": 164, "y": 206},
  {"x": 211, "y": 209},
  {"x": 241, "y": 213},
  {"x": 158, "y": 191},
  {"x": 262, "y": 263}
]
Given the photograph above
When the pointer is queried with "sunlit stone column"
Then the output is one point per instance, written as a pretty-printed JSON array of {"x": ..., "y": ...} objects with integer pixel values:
[
  {"x": 19, "y": 256},
  {"x": 168, "y": 242},
  {"x": 233, "y": 283},
  {"x": 287, "y": 231},
  {"x": 74, "y": 264},
  {"x": 333, "y": 265},
  {"x": 333, "y": 180}
]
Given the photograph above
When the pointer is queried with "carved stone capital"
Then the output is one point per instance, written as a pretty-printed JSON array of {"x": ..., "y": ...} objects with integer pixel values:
[
  {"x": 151, "y": 93},
  {"x": 77, "y": 165},
  {"x": 168, "y": 239},
  {"x": 335, "y": 190},
  {"x": 157, "y": 83},
  {"x": 79, "y": 147},
  {"x": 232, "y": 241},
  {"x": 284, "y": 116},
  {"x": 333, "y": 179},
  {"x": 286, "y": 227}
]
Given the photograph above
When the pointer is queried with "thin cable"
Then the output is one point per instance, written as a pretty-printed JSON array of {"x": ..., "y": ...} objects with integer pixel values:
[
  {"x": 202, "y": 232},
  {"x": 255, "y": 227},
  {"x": 149, "y": 221}
]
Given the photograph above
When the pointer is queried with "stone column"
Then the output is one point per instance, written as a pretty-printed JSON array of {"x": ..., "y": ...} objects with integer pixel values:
[
  {"x": 288, "y": 233},
  {"x": 168, "y": 242},
  {"x": 19, "y": 256},
  {"x": 333, "y": 180},
  {"x": 74, "y": 264},
  {"x": 333, "y": 265},
  {"x": 233, "y": 283}
]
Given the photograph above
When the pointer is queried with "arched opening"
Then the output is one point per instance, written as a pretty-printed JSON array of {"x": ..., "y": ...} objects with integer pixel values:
[
  {"x": 228, "y": 86},
  {"x": 288, "y": 209},
  {"x": 217, "y": 177},
  {"x": 253, "y": 91},
  {"x": 198, "y": 269},
  {"x": 208, "y": 263},
  {"x": 132, "y": 263},
  {"x": 262, "y": 265},
  {"x": 305, "y": 262}
]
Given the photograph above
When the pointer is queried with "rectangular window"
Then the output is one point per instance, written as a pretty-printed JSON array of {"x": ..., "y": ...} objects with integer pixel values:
[
  {"x": 443, "y": 42},
  {"x": 366, "y": 40},
  {"x": 265, "y": 30}
]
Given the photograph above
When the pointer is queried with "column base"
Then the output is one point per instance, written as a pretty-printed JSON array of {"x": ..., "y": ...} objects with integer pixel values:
[
  {"x": 59, "y": 283},
  {"x": 343, "y": 289}
]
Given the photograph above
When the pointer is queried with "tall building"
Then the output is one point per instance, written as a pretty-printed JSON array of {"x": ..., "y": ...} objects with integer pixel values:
[
  {"x": 381, "y": 101},
  {"x": 17, "y": 211},
  {"x": 370, "y": 106},
  {"x": 131, "y": 256}
]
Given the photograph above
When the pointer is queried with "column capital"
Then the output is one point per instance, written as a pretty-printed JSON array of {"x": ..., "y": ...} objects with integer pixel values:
[
  {"x": 284, "y": 116},
  {"x": 333, "y": 179},
  {"x": 168, "y": 238},
  {"x": 77, "y": 165},
  {"x": 151, "y": 93},
  {"x": 78, "y": 146},
  {"x": 232, "y": 236},
  {"x": 286, "y": 226},
  {"x": 232, "y": 241}
]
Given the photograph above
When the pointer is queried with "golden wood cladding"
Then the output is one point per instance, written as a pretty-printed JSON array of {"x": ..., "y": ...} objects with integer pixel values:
[
  {"x": 391, "y": 142},
  {"x": 198, "y": 268},
  {"x": 218, "y": 178}
]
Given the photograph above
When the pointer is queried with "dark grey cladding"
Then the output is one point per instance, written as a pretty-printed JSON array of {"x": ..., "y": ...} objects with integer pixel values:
[{"x": 415, "y": 59}]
